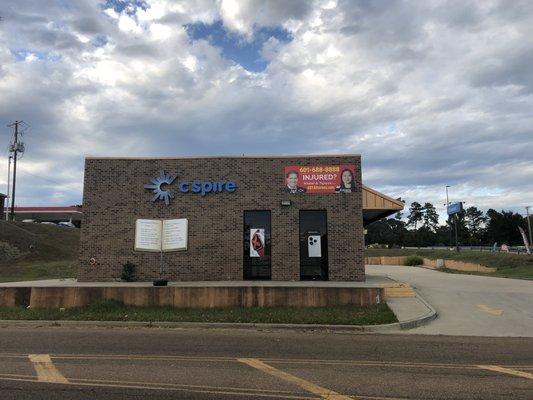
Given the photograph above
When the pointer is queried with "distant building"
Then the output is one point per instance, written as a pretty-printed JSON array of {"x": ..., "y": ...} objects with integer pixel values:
[{"x": 47, "y": 214}]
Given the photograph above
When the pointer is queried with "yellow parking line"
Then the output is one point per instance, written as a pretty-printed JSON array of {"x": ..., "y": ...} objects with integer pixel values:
[
  {"x": 306, "y": 385},
  {"x": 488, "y": 310},
  {"x": 508, "y": 371},
  {"x": 46, "y": 371}
]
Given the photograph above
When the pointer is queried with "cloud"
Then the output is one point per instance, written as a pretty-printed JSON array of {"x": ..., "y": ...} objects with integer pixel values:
[{"x": 431, "y": 94}]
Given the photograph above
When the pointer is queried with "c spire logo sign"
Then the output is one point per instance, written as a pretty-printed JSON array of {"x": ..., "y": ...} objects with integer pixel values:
[
  {"x": 160, "y": 187},
  {"x": 156, "y": 186}
]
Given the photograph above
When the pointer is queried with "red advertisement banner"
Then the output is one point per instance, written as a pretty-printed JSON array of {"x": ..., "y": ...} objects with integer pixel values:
[{"x": 319, "y": 178}]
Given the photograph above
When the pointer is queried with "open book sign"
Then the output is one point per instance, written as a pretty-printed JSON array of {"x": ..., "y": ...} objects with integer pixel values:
[{"x": 161, "y": 235}]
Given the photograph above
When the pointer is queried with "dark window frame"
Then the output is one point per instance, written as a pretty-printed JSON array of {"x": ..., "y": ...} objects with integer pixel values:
[{"x": 250, "y": 271}]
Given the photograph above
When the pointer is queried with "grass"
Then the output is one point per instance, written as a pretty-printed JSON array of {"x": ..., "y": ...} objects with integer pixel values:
[
  {"x": 508, "y": 265},
  {"x": 29, "y": 242},
  {"x": 36, "y": 251},
  {"x": 115, "y": 311},
  {"x": 38, "y": 270}
]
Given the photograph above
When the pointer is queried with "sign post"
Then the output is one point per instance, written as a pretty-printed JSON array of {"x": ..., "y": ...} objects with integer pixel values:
[{"x": 454, "y": 209}]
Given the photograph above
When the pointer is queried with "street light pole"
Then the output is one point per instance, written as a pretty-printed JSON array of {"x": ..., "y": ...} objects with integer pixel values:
[
  {"x": 456, "y": 237},
  {"x": 529, "y": 225},
  {"x": 448, "y": 205}
]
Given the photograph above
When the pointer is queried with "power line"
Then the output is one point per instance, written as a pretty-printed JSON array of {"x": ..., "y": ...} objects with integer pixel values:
[{"x": 48, "y": 179}]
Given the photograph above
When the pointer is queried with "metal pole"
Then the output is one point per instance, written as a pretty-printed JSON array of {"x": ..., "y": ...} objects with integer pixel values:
[
  {"x": 448, "y": 205},
  {"x": 161, "y": 265},
  {"x": 456, "y": 237},
  {"x": 14, "y": 171},
  {"x": 8, "y": 187},
  {"x": 529, "y": 225}
]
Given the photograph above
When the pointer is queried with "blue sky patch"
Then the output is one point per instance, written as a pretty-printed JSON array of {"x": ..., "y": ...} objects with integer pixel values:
[
  {"x": 129, "y": 5},
  {"x": 235, "y": 47},
  {"x": 21, "y": 54},
  {"x": 100, "y": 41}
]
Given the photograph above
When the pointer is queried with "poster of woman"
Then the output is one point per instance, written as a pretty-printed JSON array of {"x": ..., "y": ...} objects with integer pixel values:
[{"x": 347, "y": 184}]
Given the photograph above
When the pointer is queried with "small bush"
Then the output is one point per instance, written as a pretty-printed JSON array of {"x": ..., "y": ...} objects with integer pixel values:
[
  {"x": 128, "y": 272},
  {"x": 413, "y": 260}
]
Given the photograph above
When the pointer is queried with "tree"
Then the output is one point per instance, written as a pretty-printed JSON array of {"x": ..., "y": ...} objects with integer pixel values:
[
  {"x": 430, "y": 218},
  {"x": 386, "y": 231},
  {"x": 474, "y": 223},
  {"x": 462, "y": 230},
  {"x": 416, "y": 212},
  {"x": 502, "y": 227}
]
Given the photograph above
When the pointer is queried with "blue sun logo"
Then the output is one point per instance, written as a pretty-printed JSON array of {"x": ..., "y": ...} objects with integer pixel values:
[{"x": 156, "y": 186}]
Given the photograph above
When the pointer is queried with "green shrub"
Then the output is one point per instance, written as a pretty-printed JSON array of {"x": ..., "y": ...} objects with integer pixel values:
[
  {"x": 128, "y": 272},
  {"x": 413, "y": 260}
]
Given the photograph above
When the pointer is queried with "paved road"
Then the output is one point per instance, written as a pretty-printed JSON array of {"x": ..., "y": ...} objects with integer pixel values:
[
  {"x": 67, "y": 363},
  {"x": 469, "y": 304}
]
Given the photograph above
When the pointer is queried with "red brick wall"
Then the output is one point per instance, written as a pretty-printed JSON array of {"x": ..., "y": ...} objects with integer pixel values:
[{"x": 114, "y": 197}]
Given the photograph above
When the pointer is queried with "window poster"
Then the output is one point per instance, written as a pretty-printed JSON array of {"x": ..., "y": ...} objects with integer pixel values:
[
  {"x": 257, "y": 242},
  {"x": 319, "y": 178}
]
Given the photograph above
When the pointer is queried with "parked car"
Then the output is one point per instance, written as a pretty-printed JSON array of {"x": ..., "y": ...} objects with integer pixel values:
[{"x": 67, "y": 224}]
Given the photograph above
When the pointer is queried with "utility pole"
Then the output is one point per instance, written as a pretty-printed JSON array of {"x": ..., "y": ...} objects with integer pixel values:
[
  {"x": 529, "y": 225},
  {"x": 8, "y": 182},
  {"x": 16, "y": 147}
]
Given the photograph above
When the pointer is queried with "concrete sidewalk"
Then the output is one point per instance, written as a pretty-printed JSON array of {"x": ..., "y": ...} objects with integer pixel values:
[{"x": 371, "y": 282}]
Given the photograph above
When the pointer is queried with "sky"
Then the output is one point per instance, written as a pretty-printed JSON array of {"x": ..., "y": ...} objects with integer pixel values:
[{"x": 430, "y": 93}]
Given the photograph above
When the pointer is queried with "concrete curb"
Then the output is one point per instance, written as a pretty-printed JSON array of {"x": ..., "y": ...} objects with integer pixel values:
[
  {"x": 409, "y": 324},
  {"x": 419, "y": 321},
  {"x": 180, "y": 325}
]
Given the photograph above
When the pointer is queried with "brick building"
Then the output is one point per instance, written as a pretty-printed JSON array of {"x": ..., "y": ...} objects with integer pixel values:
[{"x": 248, "y": 217}]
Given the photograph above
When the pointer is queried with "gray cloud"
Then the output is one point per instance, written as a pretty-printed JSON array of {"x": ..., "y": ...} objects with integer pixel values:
[{"x": 430, "y": 93}]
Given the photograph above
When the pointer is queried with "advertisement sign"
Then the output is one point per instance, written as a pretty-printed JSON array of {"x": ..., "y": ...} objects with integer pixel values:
[
  {"x": 454, "y": 208},
  {"x": 257, "y": 242},
  {"x": 319, "y": 178}
]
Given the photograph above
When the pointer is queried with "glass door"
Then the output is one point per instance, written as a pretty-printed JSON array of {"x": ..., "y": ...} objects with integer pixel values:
[
  {"x": 256, "y": 245},
  {"x": 313, "y": 245}
]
